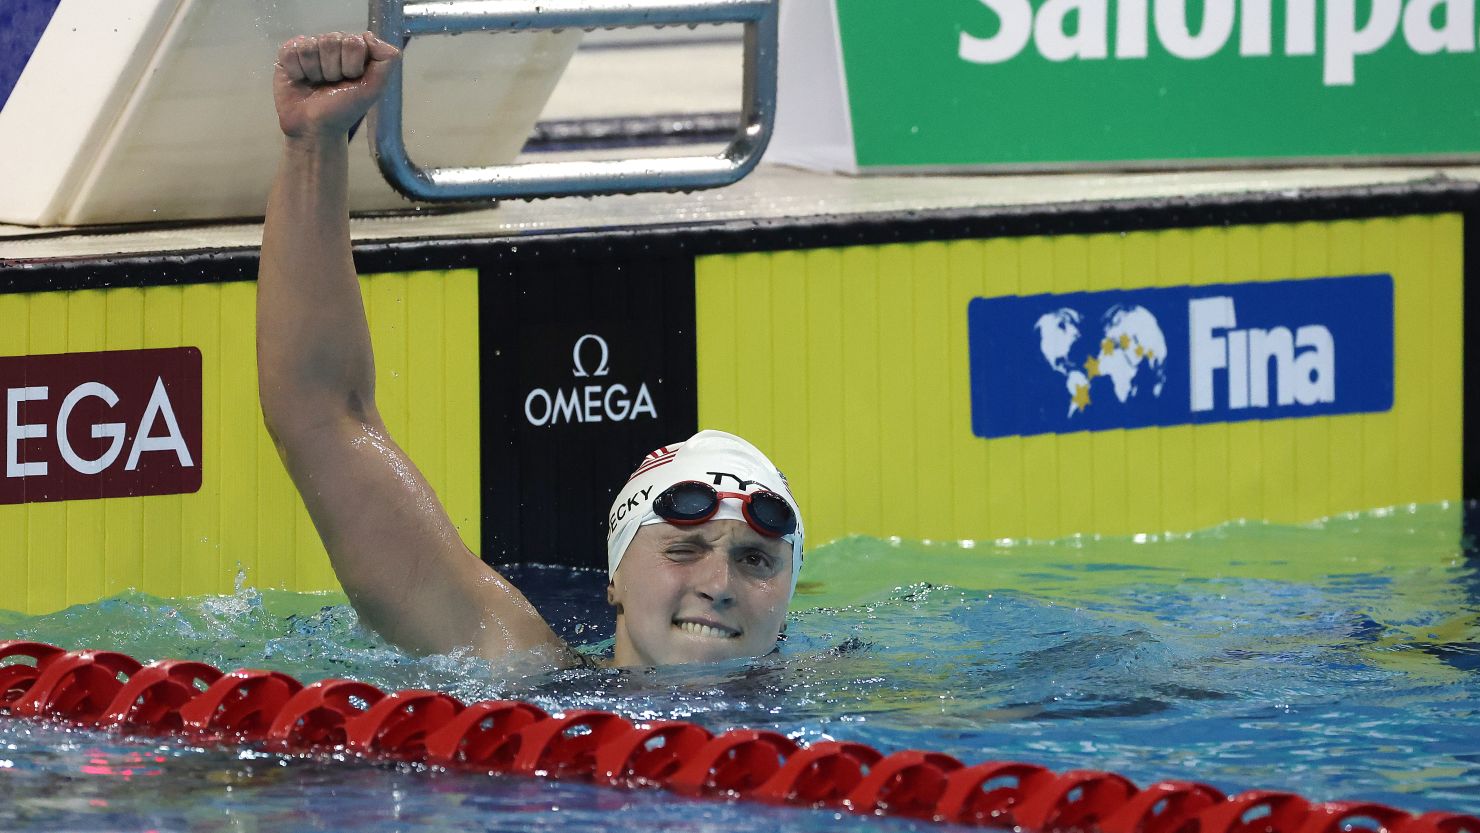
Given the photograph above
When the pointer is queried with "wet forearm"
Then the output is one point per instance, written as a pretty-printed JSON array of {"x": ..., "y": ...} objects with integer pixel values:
[{"x": 313, "y": 344}]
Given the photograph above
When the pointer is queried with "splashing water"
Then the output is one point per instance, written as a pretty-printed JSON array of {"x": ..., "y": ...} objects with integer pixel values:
[{"x": 1338, "y": 660}]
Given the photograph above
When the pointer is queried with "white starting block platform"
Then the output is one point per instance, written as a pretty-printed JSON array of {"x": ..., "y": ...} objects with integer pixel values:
[{"x": 161, "y": 110}]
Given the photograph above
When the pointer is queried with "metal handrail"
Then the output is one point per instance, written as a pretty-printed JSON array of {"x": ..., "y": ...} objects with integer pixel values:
[{"x": 397, "y": 20}]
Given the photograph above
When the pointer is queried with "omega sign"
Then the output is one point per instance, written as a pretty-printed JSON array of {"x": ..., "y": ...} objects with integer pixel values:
[
  {"x": 595, "y": 402},
  {"x": 95, "y": 425}
]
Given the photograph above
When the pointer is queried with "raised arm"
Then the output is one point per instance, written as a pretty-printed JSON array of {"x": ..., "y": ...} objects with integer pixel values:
[{"x": 392, "y": 545}]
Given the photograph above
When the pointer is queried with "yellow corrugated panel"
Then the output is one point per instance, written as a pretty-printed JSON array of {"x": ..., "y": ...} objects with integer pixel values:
[
  {"x": 85, "y": 518},
  {"x": 1244, "y": 482},
  {"x": 862, "y": 392},
  {"x": 163, "y": 554},
  {"x": 123, "y": 551},
  {"x": 15, "y": 562},
  {"x": 1446, "y": 396},
  {"x": 246, "y": 515},
  {"x": 1007, "y": 501},
  {"x": 200, "y": 518},
  {"x": 1076, "y": 474},
  {"x": 1143, "y": 448},
  {"x": 895, "y": 456},
  {"x": 86, "y": 521},
  {"x": 277, "y": 507},
  {"x": 1311, "y": 445},
  {"x": 1112, "y": 488},
  {"x": 463, "y": 495},
  {"x": 47, "y": 524},
  {"x": 236, "y": 444},
  {"x": 788, "y": 314},
  {"x": 930, "y": 370},
  {"x": 1039, "y": 464},
  {"x": 1342, "y": 448},
  {"x": 1210, "y": 459},
  {"x": 1178, "y": 469},
  {"x": 970, "y": 504},
  {"x": 386, "y": 308},
  {"x": 1414, "y": 351},
  {"x": 753, "y": 376},
  {"x": 1379, "y": 447},
  {"x": 819, "y": 276},
  {"x": 1275, "y": 465},
  {"x": 714, "y": 287},
  {"x": 878, "y": 335}
]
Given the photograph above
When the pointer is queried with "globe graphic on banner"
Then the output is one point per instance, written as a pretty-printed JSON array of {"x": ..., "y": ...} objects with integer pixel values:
[{"x": 1129, "y": 342}]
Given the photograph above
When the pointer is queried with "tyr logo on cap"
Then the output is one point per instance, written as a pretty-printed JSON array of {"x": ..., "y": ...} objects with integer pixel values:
[{"x": 740, "y": 482}]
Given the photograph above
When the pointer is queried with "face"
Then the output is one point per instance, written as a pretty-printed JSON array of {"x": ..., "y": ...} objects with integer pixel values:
[{"x": 699, "y": 593}]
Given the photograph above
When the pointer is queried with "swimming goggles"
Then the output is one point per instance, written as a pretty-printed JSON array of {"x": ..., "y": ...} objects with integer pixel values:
[{"x": 692, "y": 502}]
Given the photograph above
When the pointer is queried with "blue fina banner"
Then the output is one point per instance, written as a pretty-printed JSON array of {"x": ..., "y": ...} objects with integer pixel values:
[{"x": 1092, "y": 361}]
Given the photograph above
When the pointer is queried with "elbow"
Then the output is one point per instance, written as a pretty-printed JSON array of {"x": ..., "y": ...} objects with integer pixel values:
[{"x": 292, "y": 418}]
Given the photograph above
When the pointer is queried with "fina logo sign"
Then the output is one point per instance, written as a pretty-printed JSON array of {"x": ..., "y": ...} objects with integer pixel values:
[
  {"x": 589, "y": 403},
  {"x": 1092, "y": 361}
]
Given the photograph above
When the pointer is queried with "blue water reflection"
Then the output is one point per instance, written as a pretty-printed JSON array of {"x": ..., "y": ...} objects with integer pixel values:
[{"x": 1339, "y": 661}]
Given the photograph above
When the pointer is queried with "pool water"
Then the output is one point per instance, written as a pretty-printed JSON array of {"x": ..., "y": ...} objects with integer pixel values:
[{"x": 1340, "y": 660}]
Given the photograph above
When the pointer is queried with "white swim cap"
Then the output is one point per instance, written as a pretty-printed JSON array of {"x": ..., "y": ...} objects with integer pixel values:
[{"x": 722, "y": 460}]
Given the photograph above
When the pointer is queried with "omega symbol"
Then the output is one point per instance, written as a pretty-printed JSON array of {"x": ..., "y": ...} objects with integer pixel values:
[{"x": 579, "y": 368}]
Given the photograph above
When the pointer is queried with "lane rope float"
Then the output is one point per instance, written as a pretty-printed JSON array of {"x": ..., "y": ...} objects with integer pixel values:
[{"x": 197, "y": 702}]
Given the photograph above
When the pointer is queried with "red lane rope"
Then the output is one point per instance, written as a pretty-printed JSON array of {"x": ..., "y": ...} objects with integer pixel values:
[{"x": 192, "y": 700}]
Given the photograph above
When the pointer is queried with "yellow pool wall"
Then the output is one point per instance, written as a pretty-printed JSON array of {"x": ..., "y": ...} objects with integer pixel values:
[
  {"x": 850, "y": 367},
  {"x": 246, "y": 518}
]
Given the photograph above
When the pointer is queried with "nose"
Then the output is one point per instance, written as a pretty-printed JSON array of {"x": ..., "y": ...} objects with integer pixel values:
[{"x": 714, "y": 580}]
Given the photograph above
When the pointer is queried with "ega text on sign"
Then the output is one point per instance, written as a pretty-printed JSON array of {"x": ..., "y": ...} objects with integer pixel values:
[{"x": 118, "y": 423}]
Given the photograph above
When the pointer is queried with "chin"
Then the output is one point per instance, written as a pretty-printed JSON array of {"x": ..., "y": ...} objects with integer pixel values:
[
  {"x": 681, "y": 650},
  {"x": 717, "y": 653}
]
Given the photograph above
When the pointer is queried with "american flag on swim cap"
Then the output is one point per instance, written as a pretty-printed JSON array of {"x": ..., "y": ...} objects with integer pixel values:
[{"x": 658, "y": 457}]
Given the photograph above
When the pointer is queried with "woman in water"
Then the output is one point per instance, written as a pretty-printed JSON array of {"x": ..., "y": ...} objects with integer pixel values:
[{"x": 704, "y": 541}]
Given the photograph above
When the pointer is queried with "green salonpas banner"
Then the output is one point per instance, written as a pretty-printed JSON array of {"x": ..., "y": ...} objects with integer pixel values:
[{"x": 967, "y": 83}]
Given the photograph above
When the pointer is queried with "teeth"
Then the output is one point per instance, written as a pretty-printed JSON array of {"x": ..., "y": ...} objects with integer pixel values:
[{"x": 703, "y": 630}]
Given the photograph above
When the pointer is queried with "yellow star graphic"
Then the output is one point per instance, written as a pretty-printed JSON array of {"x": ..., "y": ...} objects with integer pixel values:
[
  {"x": 1140, "y": 352},
  {"x": 1092, "y": 367},
  {"x": 1081, "y": 396},
  {"x": 1150, "y": 354},
  {"x": 1125, "y": 341},
  {"x": 1106, "y": 346}
]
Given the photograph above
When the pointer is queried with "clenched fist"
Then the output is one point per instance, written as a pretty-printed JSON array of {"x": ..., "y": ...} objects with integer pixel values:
[{"x": 323, "y": 84}]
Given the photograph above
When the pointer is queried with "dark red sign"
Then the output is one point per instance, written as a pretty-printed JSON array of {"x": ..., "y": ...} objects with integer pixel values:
[{"x": 80, "y": 426}]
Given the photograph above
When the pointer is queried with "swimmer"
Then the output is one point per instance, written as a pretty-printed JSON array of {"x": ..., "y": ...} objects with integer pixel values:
[{"x": 704, "y": 541}]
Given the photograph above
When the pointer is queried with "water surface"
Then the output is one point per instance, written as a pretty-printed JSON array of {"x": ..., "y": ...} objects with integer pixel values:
[{"x": 1339, "y": 660}]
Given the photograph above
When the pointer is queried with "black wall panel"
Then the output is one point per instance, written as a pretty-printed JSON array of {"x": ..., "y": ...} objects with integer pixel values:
[{"x": 587, "y": 364}]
